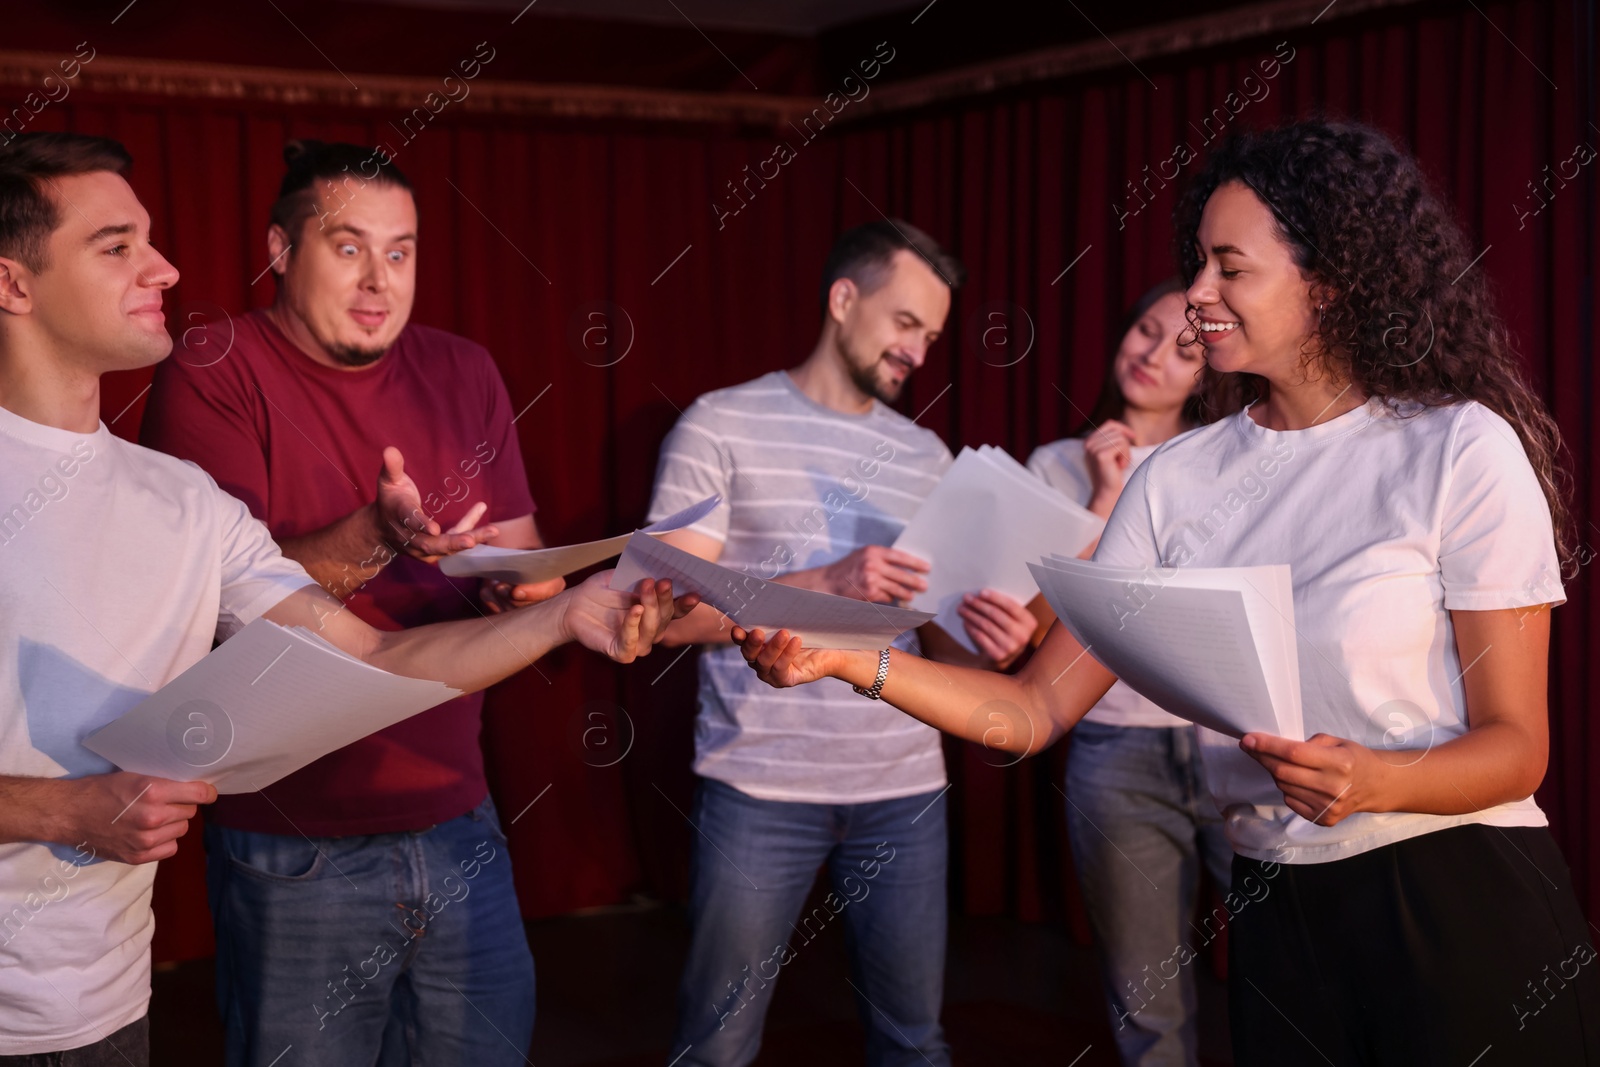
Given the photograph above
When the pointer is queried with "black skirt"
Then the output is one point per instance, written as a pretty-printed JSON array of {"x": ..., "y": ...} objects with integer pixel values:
[{"x": 1464, "y": 947}]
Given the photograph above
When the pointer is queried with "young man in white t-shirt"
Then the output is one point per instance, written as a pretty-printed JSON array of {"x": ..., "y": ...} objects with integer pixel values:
[{"x": 121, "y": 566}]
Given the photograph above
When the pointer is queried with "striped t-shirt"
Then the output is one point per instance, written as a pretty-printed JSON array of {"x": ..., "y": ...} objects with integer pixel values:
[{"x": 802, "y": 486}]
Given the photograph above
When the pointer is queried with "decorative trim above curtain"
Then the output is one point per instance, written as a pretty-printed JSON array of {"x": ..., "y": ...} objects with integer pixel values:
[{"x": 293, "y": 87}]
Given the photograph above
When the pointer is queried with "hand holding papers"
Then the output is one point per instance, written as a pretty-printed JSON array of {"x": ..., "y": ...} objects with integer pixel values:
[
  {"x": 820, "y": 620},
  {"x": 1214, "y": 645},
  {"x": 985, "y": 519},
  {"x": 527, "y": 566},
  {"x": 267, "y": 702}
]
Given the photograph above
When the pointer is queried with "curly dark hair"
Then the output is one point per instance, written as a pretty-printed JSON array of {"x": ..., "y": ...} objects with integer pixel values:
[{"x": 1407, "y": 319}]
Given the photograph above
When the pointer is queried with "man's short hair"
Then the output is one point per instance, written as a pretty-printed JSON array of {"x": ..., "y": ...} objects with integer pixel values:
[
  {"x": 28, "y": 213},
  {"x": 863, "y": 255},
  {"x": 313, "y": 165}
]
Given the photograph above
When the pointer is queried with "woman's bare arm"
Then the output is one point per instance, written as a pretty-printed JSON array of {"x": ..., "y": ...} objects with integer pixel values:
[
  {"x": 1025, "y": 712},
  {"x": 1501, "y": 757}
]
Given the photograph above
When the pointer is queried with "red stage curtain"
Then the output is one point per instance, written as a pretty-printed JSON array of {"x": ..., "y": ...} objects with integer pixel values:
[{"x": 527, "y": 227}]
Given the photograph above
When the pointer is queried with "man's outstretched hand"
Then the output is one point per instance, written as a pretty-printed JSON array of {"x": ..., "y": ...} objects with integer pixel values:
[
  {"x": 408, "y": 529},
  {"x": 621, "y": 623}
]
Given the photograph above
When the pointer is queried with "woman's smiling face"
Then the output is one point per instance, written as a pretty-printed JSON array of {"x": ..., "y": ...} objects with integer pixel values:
[
  {"x": 1153, "y": 371},
  {"x": 1256, "y": 307}
]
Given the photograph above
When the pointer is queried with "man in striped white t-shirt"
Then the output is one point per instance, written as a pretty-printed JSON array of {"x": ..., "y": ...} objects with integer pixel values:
[{"x": 819, "y": 476}]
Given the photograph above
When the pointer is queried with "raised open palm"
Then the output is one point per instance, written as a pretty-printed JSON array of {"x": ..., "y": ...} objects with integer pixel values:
[{"x": 409, "y": 529}]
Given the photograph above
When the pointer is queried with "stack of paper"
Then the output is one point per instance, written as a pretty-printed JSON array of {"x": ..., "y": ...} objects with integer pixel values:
[
  {"x": 265, "y": 703},
  {"x": 1214, "y": 645},
  {"x": 542, "y": 564},
  {"x": 985, "y": 519},
  {"x": 820, "y": 620}
]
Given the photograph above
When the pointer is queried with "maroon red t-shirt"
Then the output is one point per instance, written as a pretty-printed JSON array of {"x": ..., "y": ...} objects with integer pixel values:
[{"x": 301, "y": 444}]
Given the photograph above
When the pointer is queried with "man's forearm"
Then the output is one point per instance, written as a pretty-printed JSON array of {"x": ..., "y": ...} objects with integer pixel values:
[
  {"x": 32, "y": 809},
  {"x": 344, "y": 555},
  {"x": 472, "y": 654}
]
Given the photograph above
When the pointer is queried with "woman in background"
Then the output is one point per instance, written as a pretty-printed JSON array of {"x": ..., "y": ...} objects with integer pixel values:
[{"x": 1139, "y": 819}]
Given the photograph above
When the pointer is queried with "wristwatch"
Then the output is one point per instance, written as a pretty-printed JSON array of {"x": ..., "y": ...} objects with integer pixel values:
[{"x": 877, "y": 685}]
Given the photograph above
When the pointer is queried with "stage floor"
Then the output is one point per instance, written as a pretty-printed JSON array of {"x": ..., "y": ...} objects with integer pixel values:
[{"x": 1016, "y": 995}]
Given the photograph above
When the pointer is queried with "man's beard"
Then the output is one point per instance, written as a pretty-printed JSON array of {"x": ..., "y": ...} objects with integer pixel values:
[
  {"x": 354, "y": 355},
  {"x": 866, "y": 377}
]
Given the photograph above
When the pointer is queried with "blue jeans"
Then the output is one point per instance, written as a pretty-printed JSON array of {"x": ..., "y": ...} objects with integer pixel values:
[
  {"x": 387, "y": 949},
  {"x": 753, "y": 866},
  {"x": 1141, "y": 824}
]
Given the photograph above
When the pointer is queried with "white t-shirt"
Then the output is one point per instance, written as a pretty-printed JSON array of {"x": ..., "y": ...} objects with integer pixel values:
[
  {"x": 1388, "y": 524},
  {"x": 1065, "y": 466},
  {"x": 120, "y": 565}
]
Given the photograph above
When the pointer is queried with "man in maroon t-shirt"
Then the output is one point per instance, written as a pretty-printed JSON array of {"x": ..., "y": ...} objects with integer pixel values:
[{"x": 323, "y": 885}]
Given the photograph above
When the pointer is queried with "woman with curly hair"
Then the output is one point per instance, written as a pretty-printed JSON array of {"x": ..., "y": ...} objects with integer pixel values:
[{"x": 1397, "y": 898}]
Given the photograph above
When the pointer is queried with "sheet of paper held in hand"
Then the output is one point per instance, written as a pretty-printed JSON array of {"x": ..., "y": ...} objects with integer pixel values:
[
  {"x": 979, "y": 527},
  {"x": 263, "y": 704},
  {"x": 821, "y": 620},
  {"x": 1214, "y": 645},
  {"x": 542, "y": 564}
]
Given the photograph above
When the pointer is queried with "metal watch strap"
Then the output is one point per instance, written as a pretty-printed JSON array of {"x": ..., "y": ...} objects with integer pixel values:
[{"x": 877, "y": 685}]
